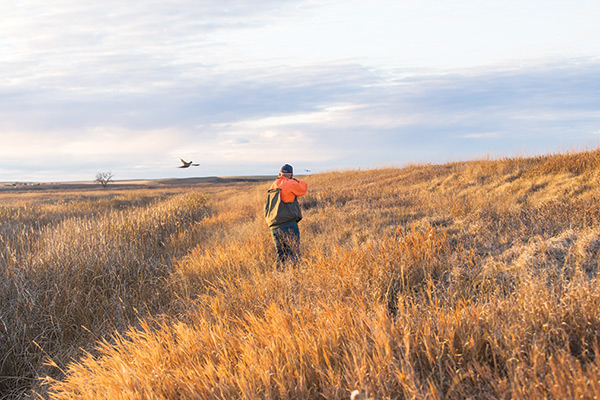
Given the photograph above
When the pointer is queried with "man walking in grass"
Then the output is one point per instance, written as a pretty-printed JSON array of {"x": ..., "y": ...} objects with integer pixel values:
[{"x": 282, "y": 213}]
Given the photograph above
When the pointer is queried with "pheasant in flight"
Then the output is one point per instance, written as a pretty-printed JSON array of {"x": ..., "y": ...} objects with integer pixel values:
[{"x": 187, "y": 164}]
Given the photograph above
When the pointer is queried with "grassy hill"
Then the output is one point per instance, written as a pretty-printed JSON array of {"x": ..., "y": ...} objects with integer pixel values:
[{"x": 475, "y": 279}]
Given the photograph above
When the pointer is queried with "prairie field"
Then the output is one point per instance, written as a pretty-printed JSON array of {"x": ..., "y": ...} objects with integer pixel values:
[{"x": 464, "y": 280}]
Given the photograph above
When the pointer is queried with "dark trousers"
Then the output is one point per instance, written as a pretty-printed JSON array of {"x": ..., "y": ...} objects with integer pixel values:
[{"x": 287, "y": 242}]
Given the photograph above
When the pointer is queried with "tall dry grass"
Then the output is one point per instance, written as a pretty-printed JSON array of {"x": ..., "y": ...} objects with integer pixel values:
[
  {"x": 463, "y": 280},
  {"x": 74, "y": 272}
]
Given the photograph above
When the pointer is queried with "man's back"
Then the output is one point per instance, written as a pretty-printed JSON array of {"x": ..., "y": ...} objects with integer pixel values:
[{"x": 290, "y": 188}]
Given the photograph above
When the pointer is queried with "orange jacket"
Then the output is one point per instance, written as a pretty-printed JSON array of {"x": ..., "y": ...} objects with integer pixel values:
[{"x": 290, "y": 188}]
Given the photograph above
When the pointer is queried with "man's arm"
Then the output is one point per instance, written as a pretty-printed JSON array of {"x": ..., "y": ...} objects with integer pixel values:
[{"x": 299, "y": 188}]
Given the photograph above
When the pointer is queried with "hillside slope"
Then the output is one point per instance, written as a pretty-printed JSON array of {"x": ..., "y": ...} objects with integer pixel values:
[{"x": 475, "y": 279}]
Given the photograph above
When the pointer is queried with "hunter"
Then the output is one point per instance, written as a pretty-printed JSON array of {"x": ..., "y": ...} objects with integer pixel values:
[{"x": 282, "y": 213}]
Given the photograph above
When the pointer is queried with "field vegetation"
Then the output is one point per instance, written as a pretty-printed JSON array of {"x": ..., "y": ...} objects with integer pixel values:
[{"x": 464, "y": 280}]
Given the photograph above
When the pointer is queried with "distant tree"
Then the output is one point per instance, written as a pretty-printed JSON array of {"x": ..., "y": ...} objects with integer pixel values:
[{"x": 103, "y": 178}]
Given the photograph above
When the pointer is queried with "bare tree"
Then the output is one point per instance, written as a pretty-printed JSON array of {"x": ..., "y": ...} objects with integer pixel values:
[{"x": 103, "y": 178}]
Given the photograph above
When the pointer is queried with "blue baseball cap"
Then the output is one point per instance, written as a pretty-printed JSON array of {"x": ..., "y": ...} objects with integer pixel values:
[{"x": 287, "y": 169}]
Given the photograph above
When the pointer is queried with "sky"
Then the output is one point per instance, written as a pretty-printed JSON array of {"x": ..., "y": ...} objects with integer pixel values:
[{"x": 242, "y": 87}]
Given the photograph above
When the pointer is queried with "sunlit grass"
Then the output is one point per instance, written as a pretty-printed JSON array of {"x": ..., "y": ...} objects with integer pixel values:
[{"x": 463, "y": 280}]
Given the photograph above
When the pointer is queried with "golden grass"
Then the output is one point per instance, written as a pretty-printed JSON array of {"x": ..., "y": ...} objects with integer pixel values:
[
  {"x": 74, "y": 272},
  {"x": 463, "y": 280}
]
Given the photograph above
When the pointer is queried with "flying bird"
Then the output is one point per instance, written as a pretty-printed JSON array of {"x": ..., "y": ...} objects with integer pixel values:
[{"x": 187, "y": 164}]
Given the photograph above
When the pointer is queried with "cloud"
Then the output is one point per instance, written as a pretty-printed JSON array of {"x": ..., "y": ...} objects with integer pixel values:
[
  {"x": 326, "y": 116},
  {"x": 483, "y": 135},
  {"x": 245, "y": 86},
  {"x": 326, "y": 109}
]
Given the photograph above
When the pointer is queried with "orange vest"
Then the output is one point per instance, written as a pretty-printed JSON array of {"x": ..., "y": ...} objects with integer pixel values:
[{"x": 290, "y": 188}]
